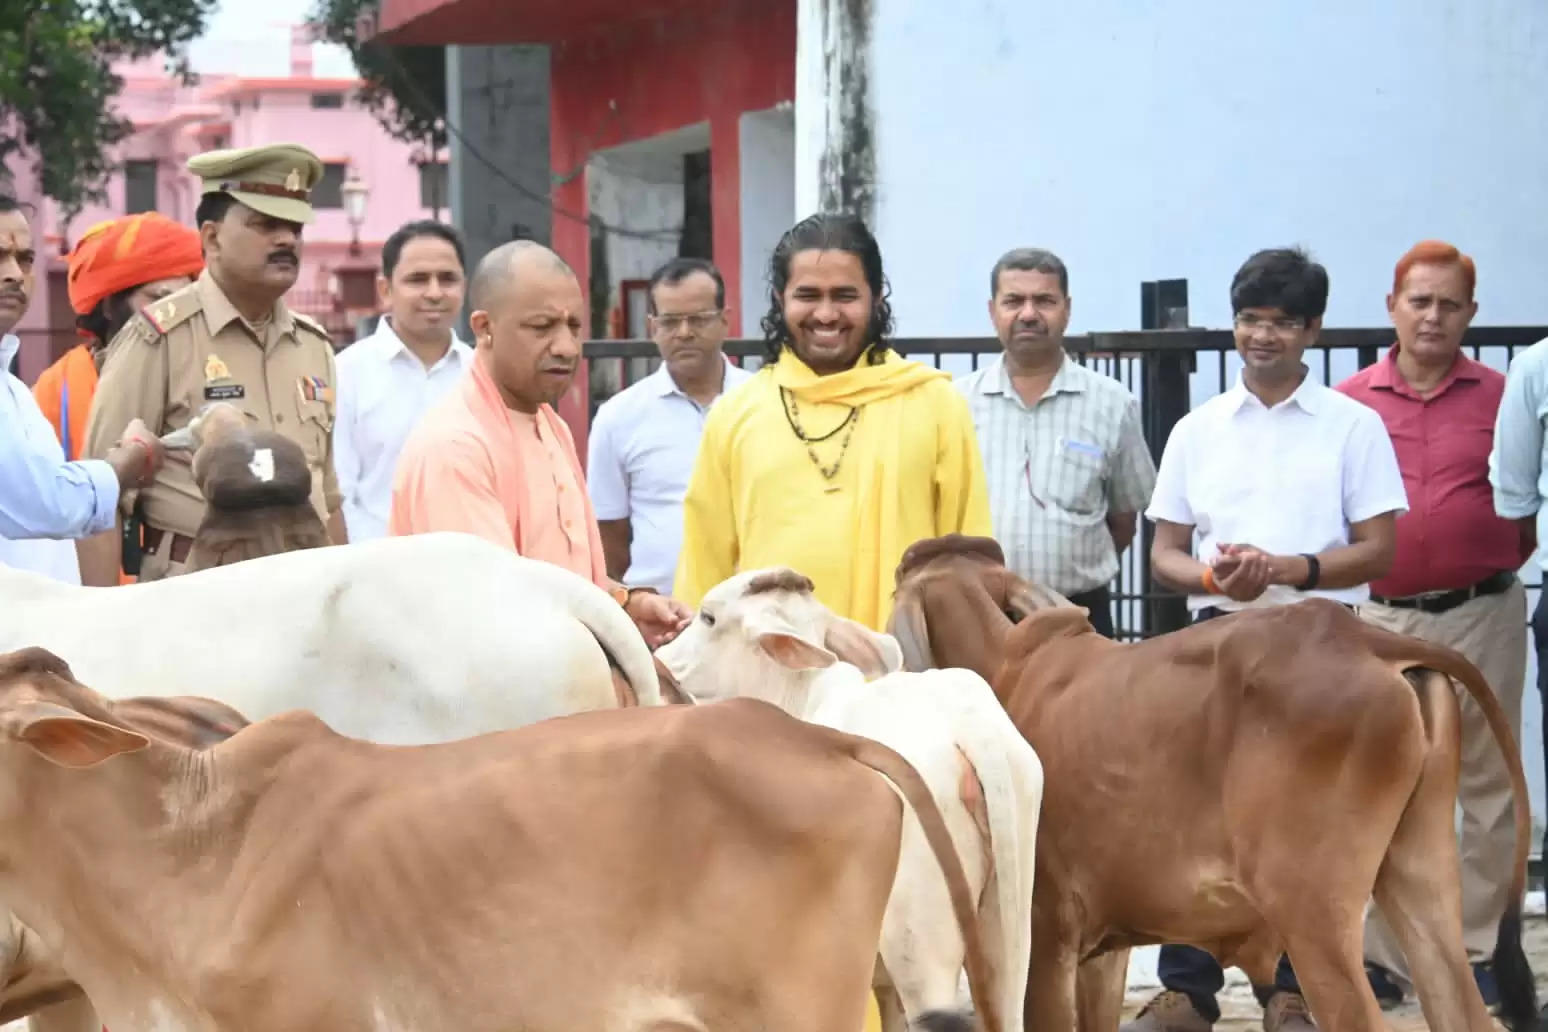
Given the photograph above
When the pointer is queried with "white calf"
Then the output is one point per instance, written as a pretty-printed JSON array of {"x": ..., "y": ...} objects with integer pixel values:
[{"x": 763, "y": 634}]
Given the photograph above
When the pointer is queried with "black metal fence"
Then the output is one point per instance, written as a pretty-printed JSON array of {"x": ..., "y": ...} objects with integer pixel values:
[{"x": 1170, "y": 371}]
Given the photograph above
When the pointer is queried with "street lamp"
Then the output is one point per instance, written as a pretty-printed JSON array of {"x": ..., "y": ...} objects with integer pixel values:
[{"x": 355, "y": 193}]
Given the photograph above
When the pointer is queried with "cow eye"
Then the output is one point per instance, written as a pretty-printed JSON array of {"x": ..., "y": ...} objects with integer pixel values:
[{"x": 707, "y": 617}]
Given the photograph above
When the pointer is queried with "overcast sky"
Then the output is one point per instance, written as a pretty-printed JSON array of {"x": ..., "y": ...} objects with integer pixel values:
[{"x": 252, "y": 37}]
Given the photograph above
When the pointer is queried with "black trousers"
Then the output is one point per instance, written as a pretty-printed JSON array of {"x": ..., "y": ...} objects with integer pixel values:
[
  {"x": 1100, "y": 602},
  {"x": 1199, "y": 976}
]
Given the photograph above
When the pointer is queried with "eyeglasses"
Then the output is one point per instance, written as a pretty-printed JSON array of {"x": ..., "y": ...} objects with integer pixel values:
[
  {"x": 1283, "y": 326},
  {"x": 695, "y": 320}
]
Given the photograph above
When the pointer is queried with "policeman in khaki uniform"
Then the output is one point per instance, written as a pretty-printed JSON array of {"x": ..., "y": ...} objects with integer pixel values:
[{"x": 226, "y": 337}]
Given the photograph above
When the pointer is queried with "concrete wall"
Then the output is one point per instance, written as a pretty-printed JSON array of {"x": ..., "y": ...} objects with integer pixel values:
[
  {"x": 1173, "y": 139},
  {"x": 768, "y": 202}
]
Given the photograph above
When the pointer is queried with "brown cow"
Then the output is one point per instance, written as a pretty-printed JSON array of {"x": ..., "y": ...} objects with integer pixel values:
[
  {"x": 1242, "y": 785},
  {"x": 646, "y": 870},
  {"x": 29, "y": 971}
]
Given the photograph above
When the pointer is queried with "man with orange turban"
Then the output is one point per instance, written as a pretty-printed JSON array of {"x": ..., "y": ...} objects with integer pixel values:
[{"x": 116, "y": 268}]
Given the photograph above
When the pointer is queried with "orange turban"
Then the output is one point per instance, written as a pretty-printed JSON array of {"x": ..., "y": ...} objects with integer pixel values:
[{"x": 124, "y": 253}]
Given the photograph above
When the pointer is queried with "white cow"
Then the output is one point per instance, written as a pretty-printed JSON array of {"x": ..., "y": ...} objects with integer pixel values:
[
  {"x": 404, "y": 641},
  {"x": 763, "y": 634}
]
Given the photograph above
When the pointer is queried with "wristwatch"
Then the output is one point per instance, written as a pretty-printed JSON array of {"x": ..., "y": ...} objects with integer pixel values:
[
  {"x": 1313, "y": 572},
  {"x": 621, "y": 594}
]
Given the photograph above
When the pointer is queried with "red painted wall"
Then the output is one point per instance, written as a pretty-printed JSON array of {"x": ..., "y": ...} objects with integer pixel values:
[{"x": 712, "y": 62}]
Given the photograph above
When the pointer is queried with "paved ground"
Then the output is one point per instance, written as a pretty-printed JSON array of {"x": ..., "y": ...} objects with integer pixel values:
[{"x": 1240, "y": 1011}]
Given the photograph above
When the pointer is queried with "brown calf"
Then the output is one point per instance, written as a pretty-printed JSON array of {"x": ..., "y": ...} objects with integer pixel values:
[
  {"x": 1243, "y": 785},
  {"x": 29, "y": 970},
  {"x": 643, "y": 870}
]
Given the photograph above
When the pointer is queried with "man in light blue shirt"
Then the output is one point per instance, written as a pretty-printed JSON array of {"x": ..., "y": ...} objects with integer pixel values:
[
  {"x": 44, "y": 500},
  {"x": 1519, "y": 476},
  {"x": 645, "y": 438}
]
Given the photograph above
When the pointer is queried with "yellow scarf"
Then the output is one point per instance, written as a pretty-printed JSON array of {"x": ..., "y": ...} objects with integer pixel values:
[{"x": 882, "y": 389}]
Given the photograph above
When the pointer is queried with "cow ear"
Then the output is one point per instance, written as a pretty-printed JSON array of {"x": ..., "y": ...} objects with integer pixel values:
[
  {"x": 877, "y": 655},
  {"x": 68, "y": 738},
  {"x": 790, "y": 650}
]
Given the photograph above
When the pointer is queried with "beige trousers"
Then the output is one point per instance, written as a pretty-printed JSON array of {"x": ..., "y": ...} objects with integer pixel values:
[{"x": 1491, "y": 632}]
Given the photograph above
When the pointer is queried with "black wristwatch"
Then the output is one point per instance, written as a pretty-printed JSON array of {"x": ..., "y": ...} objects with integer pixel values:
[{"x": 1313, "y": 572}]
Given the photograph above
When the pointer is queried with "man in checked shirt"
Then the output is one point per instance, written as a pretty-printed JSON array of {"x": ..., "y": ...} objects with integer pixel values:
[{"x": 1067, "y": 463}]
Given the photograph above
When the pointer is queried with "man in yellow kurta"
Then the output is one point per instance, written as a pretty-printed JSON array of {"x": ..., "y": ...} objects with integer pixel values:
[{"x": 837, "y": 455}]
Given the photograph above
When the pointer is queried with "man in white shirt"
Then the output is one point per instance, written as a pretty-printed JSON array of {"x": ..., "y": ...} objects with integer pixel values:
[
  {"x": 44, "y": 500},
  {"x": 386, "y": 381},
  {"x": 1279, "y": 489},
  {"x": 644, "y": 439}
]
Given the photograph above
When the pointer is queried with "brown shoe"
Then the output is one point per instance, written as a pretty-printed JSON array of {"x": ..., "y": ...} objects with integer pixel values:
[
  {"x": 1287, "y": 1012},
  {"x": 1168, "y": 1012}
]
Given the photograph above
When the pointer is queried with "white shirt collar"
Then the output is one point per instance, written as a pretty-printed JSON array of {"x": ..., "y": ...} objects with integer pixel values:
[
  {"x": 1307, "y": 396},
  {"x": 10, "y": 344},
  {"x": 663, "y": 384},
  {"x": 394, "y": 345}
]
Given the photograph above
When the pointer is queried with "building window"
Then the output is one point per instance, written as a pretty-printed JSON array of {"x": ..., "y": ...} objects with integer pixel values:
[
  {"x": 328, "y": 101},
  {"x": 139, "y": 187},
  {"x": 433, "y": 185},
  {"x": 329, "y": 193}
]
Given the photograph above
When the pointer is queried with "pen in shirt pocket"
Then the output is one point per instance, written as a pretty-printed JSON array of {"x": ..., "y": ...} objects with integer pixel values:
[{"x": 1026, "y": 470}]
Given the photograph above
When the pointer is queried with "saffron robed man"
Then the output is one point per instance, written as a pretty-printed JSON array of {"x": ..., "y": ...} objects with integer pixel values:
[
  {"x": 494, "y": 459},
  {"x": 227, "y": 337},
  {"x": 839, "y": 454}
]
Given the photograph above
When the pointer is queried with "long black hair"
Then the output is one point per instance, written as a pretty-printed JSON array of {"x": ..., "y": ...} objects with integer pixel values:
[
  {"x": 829, "y": 232},
  {"x": 107, "y": 317}
]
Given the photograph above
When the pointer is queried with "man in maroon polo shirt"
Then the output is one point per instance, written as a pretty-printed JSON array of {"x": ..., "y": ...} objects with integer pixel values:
[{"x": 1453, "y": 579}]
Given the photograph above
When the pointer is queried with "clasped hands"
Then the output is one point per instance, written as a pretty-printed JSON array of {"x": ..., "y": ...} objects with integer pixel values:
[{"x": 1243, "y": 572}]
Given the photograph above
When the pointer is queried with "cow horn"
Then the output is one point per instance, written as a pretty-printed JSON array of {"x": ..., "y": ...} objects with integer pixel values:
[{"x": 909, "y": 627}]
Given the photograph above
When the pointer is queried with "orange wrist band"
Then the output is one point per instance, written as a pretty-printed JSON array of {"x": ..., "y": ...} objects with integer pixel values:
[{"x": 1209, "y": 582}]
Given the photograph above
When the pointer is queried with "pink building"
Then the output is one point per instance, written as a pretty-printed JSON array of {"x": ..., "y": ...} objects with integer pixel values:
[{"x": 173, "y": 122}]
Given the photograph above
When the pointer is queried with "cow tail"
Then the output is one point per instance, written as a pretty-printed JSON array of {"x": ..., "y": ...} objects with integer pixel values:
[
  {"x": 1013, "y": 795},
  {"x": 901, "y": 773},
  {"x": 1512, "y": 970},
  {"x": 620, "y": 640}
]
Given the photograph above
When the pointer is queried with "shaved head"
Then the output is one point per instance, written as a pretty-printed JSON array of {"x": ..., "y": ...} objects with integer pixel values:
[
  {"x": 498, "y": 270},
  {"x": 528, "y": 320}
]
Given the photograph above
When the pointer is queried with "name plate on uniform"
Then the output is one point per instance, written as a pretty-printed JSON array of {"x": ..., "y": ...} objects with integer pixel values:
[{"x": 224, "y": 391}]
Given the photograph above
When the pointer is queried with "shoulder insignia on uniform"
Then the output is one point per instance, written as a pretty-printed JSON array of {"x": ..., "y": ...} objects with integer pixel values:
[
  {"x": 308, "y": 323},
  {"x": 172, "y": 310}
]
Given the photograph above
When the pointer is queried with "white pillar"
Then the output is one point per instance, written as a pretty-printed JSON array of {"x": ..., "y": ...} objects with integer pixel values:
[{"x": 835, "y": 120}]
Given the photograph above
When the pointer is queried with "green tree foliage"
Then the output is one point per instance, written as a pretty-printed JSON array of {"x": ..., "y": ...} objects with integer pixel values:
[
  {"x": 57, "y": 84},
  {"x": 404, "y": 87}
]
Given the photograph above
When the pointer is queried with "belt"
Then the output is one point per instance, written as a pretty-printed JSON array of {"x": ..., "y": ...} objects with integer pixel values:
[
  {"x": 181, "y": 543},
  {"x": 1441, "y": 601}
]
